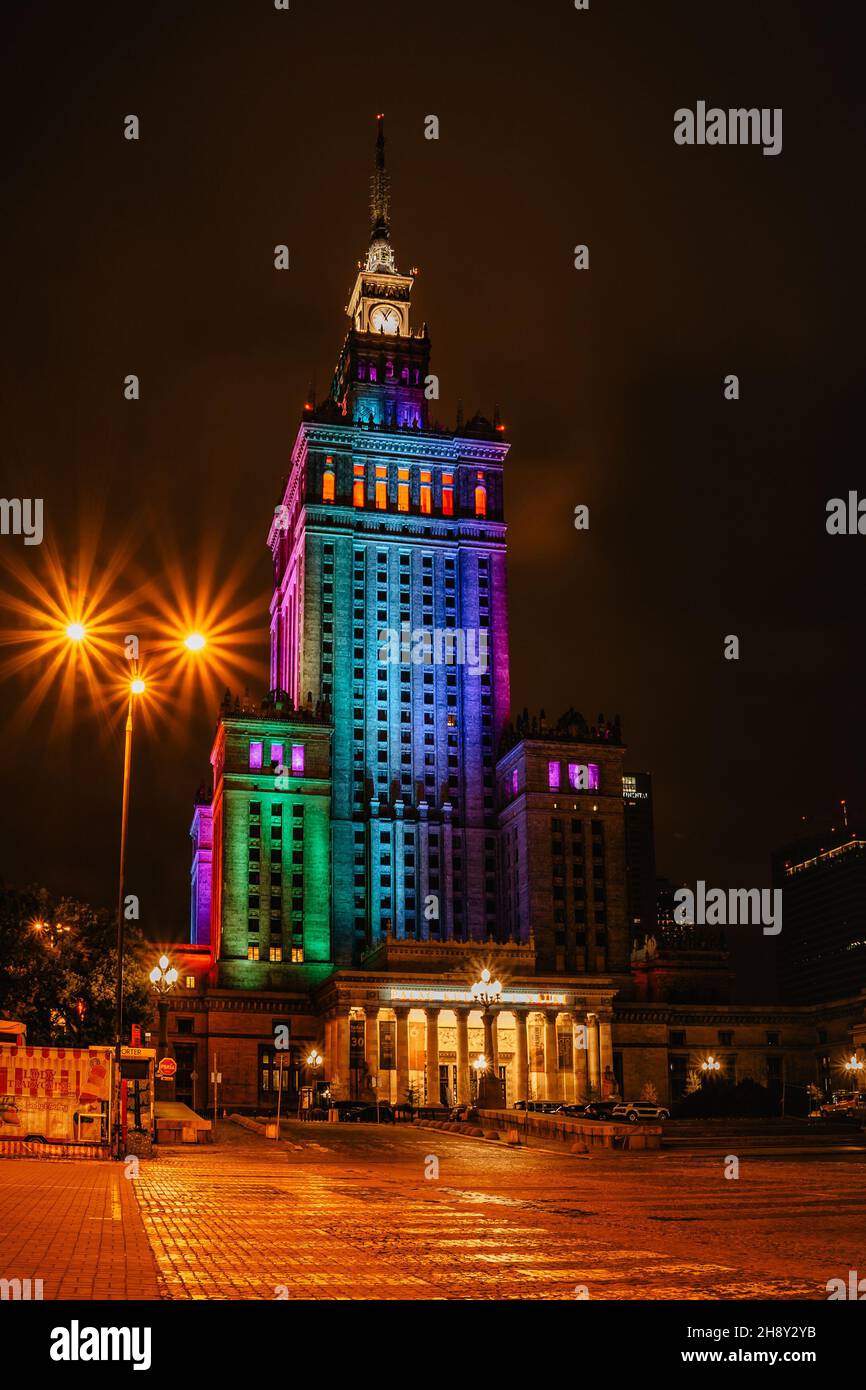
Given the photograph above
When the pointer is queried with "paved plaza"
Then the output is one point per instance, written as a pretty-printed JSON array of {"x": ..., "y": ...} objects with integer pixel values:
[{"x": 347, "y": 1212}]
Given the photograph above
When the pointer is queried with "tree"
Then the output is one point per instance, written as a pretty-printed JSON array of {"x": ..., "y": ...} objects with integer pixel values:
[{"x": 61, "y": 985}]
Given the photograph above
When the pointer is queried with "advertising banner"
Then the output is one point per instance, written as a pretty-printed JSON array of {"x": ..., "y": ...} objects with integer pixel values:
[{"x": 53, "y": 1092}]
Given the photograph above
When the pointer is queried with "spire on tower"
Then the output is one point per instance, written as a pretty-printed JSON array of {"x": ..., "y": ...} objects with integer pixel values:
[{"x": 380, "y": 255}]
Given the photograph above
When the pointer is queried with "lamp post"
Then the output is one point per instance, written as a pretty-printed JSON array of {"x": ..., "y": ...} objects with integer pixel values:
[
  {"x": 855, "y": 1067},
  {"x": 485, "y": 993},
  {"x": 312, "y": 1061},
  {"x": 163, "y": 977},
  {"x": 711, "y": 1065},
  {"x": 136, "y": 688},
  {"x": 76, "y": 633}
]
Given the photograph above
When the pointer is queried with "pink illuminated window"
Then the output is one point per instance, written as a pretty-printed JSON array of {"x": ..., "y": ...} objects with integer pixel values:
[
  {"x": 277, "y": 753},
  {"x": 583, "y": 777},
  {"x": 514, "y": 782},
  {"x": 255, "y": 755},
  {"x": 297, "y": 758},
  {"x": 553, "y": 776}
]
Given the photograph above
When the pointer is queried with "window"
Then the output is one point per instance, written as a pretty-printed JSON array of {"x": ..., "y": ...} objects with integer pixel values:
[
  {"x": 726, "y": 1039},
  {"x": 297, "y": 954},
  {"x": 480, "y": 496},
  {"x": 328, "y": 483},
  {"x": 275, "y": 953},
  {"x": 358, "y": 486},
  {"x": 678, "y": 1037},
  {"x": 185, "y": 1025},
  {"x": 583, "y": 777},
  {"x": 426, "y": 492},
  {"x": 447, "y": 494},
  {"x": 381, "y": 486},
  {"x": 402, "y": 489},
  {"x": 277, "y": 754},
  {"x": 553, "y": 776},
  {"x": 190, "y": 981},
  {"x": 255, "y": 754},
  {"x": 297, "y": 759},
  {"x": 253, "y": 952}
]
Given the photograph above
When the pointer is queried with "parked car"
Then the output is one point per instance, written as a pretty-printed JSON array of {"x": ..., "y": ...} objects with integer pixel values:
[
  {"x": 464, "y": 1114},
  {"x": 599, "y": 1109},
  {"x": 635, "y": 1110},
  {"x": 372, "y": 1114},
  {"x": 538, "y": 1107}
]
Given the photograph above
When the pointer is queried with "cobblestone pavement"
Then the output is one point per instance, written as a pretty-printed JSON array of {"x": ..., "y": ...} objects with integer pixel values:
[
  {"x": 77, "y": 1227},
  {"x": 346, "y": 1212}
]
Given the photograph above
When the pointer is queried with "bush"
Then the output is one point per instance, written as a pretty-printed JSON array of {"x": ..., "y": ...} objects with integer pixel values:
[{"x": 716, "y": 1099}]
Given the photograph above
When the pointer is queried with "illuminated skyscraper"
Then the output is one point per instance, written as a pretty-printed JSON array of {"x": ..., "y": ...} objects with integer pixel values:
[{"x": 390, "y": 602}]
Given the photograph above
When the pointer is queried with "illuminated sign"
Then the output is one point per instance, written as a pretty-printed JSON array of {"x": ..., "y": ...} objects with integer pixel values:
[{"x": 425, "y": 993}]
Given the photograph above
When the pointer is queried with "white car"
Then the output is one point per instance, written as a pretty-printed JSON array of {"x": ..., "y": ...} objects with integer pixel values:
[{"x": 635, "y": 1110}]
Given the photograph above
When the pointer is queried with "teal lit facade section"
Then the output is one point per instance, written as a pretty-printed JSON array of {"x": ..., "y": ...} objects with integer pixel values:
[{"x": 270, "y": 904}]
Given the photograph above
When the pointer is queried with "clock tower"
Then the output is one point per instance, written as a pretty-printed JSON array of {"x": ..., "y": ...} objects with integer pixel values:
[{"x": 381, "y": 376}]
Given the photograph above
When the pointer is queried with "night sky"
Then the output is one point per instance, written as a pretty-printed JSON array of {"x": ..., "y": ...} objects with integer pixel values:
[{"x": 707, "y": 516}]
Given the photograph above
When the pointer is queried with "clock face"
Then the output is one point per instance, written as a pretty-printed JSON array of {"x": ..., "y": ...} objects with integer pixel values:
[{"x": 384, "y": 319}]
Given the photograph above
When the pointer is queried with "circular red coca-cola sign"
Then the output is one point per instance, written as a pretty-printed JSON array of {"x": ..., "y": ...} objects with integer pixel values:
[{"x": 166, "y": 1068}]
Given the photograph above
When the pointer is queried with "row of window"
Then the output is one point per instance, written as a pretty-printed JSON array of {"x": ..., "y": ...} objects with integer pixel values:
[
  {"x": 424, "y": 491},
  {"x": 277, "y": 757}
]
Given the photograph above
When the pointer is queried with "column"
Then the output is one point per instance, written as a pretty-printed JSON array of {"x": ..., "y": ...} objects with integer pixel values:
[
  {"x": 579, "y": 1055},
  {"x": 371, "y": 1047},
  {"x": 550, "y": 1057},
  {"x": 592, "y": 1056},
  {"x": 521, "y": 1057},
  {"x": 342, "y": 1072},
  {"x": 605, "y": 1038},
  {"x": 432, "y": 1056},
  {"x": 463, "y": 1088},
  {"x": 402, "y": 1058},
  {"x": 487, "y": 1021}
]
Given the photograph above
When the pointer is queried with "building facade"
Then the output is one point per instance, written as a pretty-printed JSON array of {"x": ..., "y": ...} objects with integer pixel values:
[{"x": 380, "y": 830}]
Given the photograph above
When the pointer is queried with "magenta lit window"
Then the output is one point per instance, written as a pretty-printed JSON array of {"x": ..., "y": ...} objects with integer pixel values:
[
  {"x": 514, "y": 782},
  {"x": 553, "y": 776},
  {"x": 255, "y": 755},
  {"x": 297, "y": 758},
  {"x": 593, "y": 777},
  {"x": 277, "y": 753}
]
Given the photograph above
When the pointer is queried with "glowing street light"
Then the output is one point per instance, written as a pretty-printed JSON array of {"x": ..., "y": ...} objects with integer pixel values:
[
  {"x": 711, "y": 1065},
  {"x": 854, "y": 1066},
  {"x": 76, "y": 632},
  {"x": 136, "y": 686},
  {"x": 195, "y": 642}
]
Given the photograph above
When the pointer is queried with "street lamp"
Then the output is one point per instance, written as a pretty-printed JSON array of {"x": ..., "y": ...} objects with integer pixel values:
[
  {"x": 163, "y": 977},
  {"x": 313, "y": 1060},
  {"x": 711, "y": 1065},
  {"x": 486, "y": 992}
]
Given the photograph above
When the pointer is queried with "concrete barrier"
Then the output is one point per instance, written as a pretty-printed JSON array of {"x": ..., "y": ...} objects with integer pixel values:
[{"x": 579, "y": 1135}]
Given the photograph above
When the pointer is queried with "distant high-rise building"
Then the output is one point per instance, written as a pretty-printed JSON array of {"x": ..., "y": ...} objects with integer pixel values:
[
  {"x": 640, "y": 853},
  {"x": 823, "y": 937}
]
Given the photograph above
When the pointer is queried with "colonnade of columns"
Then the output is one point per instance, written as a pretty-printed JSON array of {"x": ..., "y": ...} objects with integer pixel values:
[{"x": 590, "y": 1069}]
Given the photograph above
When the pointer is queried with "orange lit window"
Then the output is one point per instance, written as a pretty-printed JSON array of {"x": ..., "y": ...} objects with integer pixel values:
[
  {"x": 447, "y": 494},
  {"x": 328, "y": 485},
  {"x": 426, "y": 492},
  {"x": 402, "y": 489},
  {"x": 381, "y": 486},
  {"x": 480, "y": 496},
  {"x": 358, "y": 486}
]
